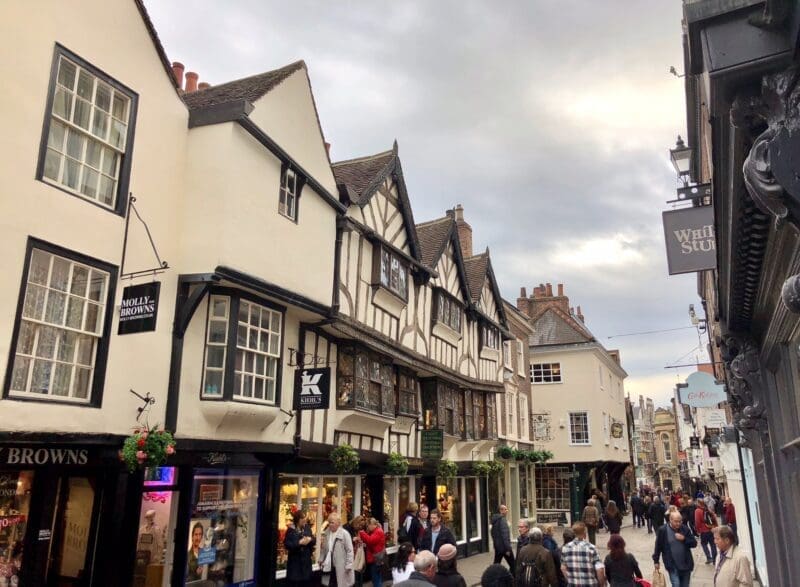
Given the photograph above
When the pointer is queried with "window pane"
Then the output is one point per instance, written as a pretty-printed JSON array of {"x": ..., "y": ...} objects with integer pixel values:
[
  {"x": 219, "y": 307},
  {"x": 71, "y": 173},
  {"x": 67, "y": 343},
  {"x": 61, "y": 379},
  {"x": 56, "y": 134},
  {"x": 85, "y": 85},
  {"x": 52, "y": 165},
  {"x": 85, "y": 350},
  {"x": 120, "y": 107},
  {"x": 110, "y": 159},
  {"x": 118, "y": 132},
  {"x": 66, "y": 73},
  {"x": 100, "y": 123},
  {"x": 25, "y": 338},
  {"x": 213, "y": 384},
  {"x": 19, "y": 379},
  {"x": 108, "y": 188},
  {"x": 83, "y": 111},
  {"x": 46, "y": 345},
  {"x": 93, "y": 153},
  {"x": 97, "y": 286},
  {"x": 60, "y": 274},
  {"x": 33, "y": 306},
  {"x": 217, "y": 331},
  {"x": 40, "y": 382},
  {"x": 89, "y": 182},
  {"x": 62, "y": 103},
  {"x": 92, "y": 318},
  {"x": 82, "y": 378},
  {"x": 56, "y": 303},
  {"x": 103, "y": 97}
]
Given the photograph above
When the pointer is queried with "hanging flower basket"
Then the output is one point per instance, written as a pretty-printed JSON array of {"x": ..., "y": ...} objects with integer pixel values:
[
  {"x": 545, "y": 455},
  {"x": 487, "y": 468},
  {"x": 345, "y": 459},
  {"x": 396, "y": 464},
  {"x": 147, "y": 448},
  {"x": 446, "y": 469},
  {"x": 505, "y": 452},
  {"x": 520, "y": 455}
]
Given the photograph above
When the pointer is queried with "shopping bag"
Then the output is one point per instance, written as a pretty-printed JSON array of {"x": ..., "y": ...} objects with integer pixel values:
[
  {"x": 658, "y": 579},
  {"x": 642, "y": 582},
  {"x": 359, "y": 560}
]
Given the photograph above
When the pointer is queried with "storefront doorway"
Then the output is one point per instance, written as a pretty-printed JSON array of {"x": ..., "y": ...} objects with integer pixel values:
[{"x": 155, "y": 539}]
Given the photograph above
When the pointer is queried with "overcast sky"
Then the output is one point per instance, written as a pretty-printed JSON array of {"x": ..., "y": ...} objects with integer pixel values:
[{"x": 550, "y": 122}]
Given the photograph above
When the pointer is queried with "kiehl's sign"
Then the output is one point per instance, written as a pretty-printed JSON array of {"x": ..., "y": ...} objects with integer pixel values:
[
  {"x": 27, "y": 455},
  {"x": 689, "y": 234},
  {"x": 312, "y": 389},
  {"x": 138, "y": 309}
]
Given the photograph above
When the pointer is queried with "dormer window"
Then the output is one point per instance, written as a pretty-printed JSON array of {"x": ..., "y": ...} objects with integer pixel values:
[
  {"x": 448, "y": 311},
  {"x": 287, "y": 199},
  {"x": 490, "y": 337},
  {"x": 393, "y": 273}
]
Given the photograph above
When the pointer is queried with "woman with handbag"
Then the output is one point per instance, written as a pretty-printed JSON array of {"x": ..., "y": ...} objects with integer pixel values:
[
  {"x": 375, "y": 541},
  {"x": 337, "y": 555},
  {"x": 299, "y": 543},
  {"x": 622, "y": 569}
]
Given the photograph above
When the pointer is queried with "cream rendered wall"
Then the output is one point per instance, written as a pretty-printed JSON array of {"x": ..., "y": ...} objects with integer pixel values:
[
  {"x": 579, "y": 391},
  {"x": 232, "y": 218},
  {"x": 288, "y": 116},
  {"x": 123, "y": 49}
]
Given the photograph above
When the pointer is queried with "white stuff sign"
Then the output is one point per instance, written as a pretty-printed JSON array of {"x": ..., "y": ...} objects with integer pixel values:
[{"x": 690, "y": 239}]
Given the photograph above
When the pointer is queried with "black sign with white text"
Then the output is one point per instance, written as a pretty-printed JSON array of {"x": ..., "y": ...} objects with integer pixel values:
[
  {"x": 139, "y": 308},
  {"x": 312, "y": 389}
]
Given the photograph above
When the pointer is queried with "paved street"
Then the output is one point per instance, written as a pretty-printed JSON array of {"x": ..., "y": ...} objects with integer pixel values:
[{"x": 638, "y": 542}]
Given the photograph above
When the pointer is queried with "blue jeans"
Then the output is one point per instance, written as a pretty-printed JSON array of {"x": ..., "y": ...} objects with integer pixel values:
[
  {"x": 709, "y": 547},
  {"x": 375, "y": 575},
  {"x": 680, "y": 578}
]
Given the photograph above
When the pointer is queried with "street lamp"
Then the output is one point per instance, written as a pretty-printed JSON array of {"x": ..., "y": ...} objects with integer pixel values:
[{"x": 681, "y": 157}]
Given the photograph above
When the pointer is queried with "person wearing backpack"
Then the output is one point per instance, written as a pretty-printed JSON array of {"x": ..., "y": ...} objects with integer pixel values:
[
  {"x": 621, "y": 566},
  {"x": 410, "y": 529},
  {"x": 535, "y": 565},
  {"x": 704, "y": 523},
  {"x": 591, "y": 518}
]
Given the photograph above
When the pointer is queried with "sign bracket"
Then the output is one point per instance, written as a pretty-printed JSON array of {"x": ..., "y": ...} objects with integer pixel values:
[{"x": 162, "y": 265}]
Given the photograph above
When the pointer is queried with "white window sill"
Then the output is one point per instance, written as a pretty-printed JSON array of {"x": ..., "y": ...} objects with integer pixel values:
[
  {"x": 580, "y": 444},
  {"x": 388, "y": 301},
  {"x": 238, "y": 414},
  {"x": 546, "y": 382},
  {"x": 490, "y": 354},
  {"x": 446, "y": 333}
]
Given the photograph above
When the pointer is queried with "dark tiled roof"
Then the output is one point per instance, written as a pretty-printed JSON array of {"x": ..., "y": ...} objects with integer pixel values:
[
  {"x": 151, "y": 30},
  {"x": 476, "y": 274},
  {"x": 355, "y": 175},
  {"x": 432, "y": 239},
  {"x": 249, "y": 88},
  {"x": 553, "y": 327}
]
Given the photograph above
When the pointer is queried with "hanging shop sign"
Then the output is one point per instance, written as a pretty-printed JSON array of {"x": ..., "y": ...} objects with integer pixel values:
[
  {"x": 616, "y": 430},
  {"x": 312, "y": 389},
  {"x": 694, "y": 442},
  {"x": 701, "y": 390},
  {"x": 138, "y": 309},
  {"x": 432, "y": 444},
  {"x": 689, "y": 235}
]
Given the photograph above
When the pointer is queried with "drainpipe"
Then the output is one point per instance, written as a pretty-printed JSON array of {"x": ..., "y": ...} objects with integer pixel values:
[
  {"x": 337, "y": 264},
  {"x": 298, "y": 417}
]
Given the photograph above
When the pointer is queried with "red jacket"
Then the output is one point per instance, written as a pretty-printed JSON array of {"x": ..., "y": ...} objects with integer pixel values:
[
  {"x": 730, "y": 514},
  {"x": 699, "y": 520},
  {"x": 375, "y": 542}
]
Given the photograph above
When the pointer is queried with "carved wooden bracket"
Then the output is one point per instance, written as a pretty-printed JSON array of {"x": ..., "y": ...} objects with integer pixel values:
[{"x": 745, "y": 384}]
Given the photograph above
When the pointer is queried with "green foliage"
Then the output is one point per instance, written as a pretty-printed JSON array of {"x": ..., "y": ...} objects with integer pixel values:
[
  {"x": 396, "y": 464},
  {"x": 505, "y": 452},
  {"x": 345, "y": 459},
  {"x": 545, "y": 455},
  {"x": 147, "y": 447},
  {"x": 487, "y": 468},
  {"x": 446, "y": 469}
]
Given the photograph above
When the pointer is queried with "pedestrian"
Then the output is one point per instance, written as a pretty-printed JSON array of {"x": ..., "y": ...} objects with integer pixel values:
[
  {"x": 436, "y": 534},
  {"x": 374, "y": 540},
  {"x": 733, "y": 569},
  {"x": 403, "y": 564},
  {"x": 536, "y": 566},
  {"x": 648, "y": 501},
  {"x": 447, "y": 574},
  {"x": 497, "y": 576},
  {"x": 501, "y": 538},
  {"x": 674, "y": 542},
  {"x": 692, "y": 508},
  {"x": 423, "y": 517},
  {"x": 613, "y": 517},
  {"x": 523, "y": 527},
  {"x": 336, "y": 554},
  {"x": 354, "y": 527},
  {"x": 704, "y": 522},
  {"x": 409, "y": 530},
  {"x": 579, "y": 561},
  {"x": 591, "y": 519},
  {"x": 549, "y": 542},
  {"x": 424, "y": 571},
  {"x": 730, "y": 517},
  {"x": 299, "y": 543},
  {"x": 657, "y": 512},
  {"x": 638, "y": 510},
  {"x": 621, "y": 566}
]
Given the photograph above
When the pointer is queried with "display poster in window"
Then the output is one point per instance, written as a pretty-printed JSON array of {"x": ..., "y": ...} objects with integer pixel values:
[
  {"x": 312, "y": 389},
  {"x": 223, "y": 530},
  {"x": 138, "y": 309},
  {"x": 432, "y": 444}
]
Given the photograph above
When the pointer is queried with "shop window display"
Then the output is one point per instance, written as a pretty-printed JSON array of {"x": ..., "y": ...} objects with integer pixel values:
[
  {"x": 473, "y": 506},
  {"x": 449, "y": 504},
  {"x": 154, "y": 552},
  {"x": 397, "y": 492},
  {"x": 552, "y": 488},
  {"x": 318, "y": 497},
  {"x": 15, "y": 496},
  {"x": 223, "y": 529}
]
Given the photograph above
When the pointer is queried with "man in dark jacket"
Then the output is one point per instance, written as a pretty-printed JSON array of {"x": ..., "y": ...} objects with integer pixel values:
[
  {"x": 436, "y": 534},
  {"x": 524, "y": 527},
  {"x": 424, "y": 570},
  {"x": 501, "y": 538},
  {"x": 637, "y": 507},
  {"x": 656, "y": 513},
  {"x": 410, "y": 529},
  {"x": 674, "y": 542},
  {"x": 536, "y": 554}
]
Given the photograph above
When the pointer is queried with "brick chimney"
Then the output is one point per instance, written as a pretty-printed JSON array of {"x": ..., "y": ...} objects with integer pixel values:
[
  {"x": 191, "y": 81},
  {"x": 543, "y": 298},
  {"x": 579, "y": 314},
  {"x": 464, "y": 232},
  {"x": 203, "y": 86},
  {"x": 522, "y": 302},
  {"x": 177, "y": 72}
]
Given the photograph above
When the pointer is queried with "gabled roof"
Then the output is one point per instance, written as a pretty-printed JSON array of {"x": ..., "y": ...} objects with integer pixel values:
[
  {"x": 554, "y": 326},
  {"x": 356, "y": 175},
  {"x": 478, "y": 269},
  {"x": 433, "y": 236},
  {"x": 151, "y": 30},
  {"x": 249, "y": 88},
  {"x": 359, "y": 179}
]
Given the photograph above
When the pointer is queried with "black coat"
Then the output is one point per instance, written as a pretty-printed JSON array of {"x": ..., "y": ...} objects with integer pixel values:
[
  {"x": 445, "y": 537},
  {"x": 298, "y": 566},
  {"x": 414, "y": 531},
  {"x": 656, "y": 513},
  {"x": 662, "y": 547},
  {"x": 449, "y": 578}
]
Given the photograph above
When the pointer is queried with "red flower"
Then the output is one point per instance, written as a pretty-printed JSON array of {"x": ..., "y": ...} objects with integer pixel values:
[{"x": 140, "y": 443}]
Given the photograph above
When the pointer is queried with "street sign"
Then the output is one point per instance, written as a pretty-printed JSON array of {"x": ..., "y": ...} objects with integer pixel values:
[
  {"x": 432, "y": 444},
  {"x": 689, "y": 235},
  {"x": 701, "y": 390},
  {"x": 312, "y": 389}
]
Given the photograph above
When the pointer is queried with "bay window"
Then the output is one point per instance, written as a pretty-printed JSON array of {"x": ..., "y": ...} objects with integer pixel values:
[
  {"x": 390, "y": 271},
  {"x": 490, "y": 337},
  {"x": 448, "y": 311},
  {"x": 366, "y": 381}
]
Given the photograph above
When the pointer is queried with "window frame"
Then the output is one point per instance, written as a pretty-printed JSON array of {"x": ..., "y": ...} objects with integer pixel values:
[
  {"x": 97, "y": 385},
  {"x": 235, "y": 297},
  {"x": 521, "y": 358},
  {"x": 123, "y": 179},
  {"x": 487, "y": 327},
  {"x": 448, "y": 303},
  {"x": 666, "y": 446},
  {"x": 378, "y": 250},
  {"x": 541, "y": 367},
  {"x": 588, "y": 429},
  {"x": 283, "y": 188}
]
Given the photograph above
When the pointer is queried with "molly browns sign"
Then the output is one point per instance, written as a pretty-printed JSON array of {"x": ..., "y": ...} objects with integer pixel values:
[{"x": 689, "y": 235}]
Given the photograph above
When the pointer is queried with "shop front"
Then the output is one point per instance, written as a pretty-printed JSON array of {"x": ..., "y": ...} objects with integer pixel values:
[{"x": 553, "y": 485}]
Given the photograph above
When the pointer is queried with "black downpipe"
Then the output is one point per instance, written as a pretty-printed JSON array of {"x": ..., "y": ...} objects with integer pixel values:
[
  {"x": 298, "y": 414},
  {"x": 176, "y": 360},
  {"x": 337, "y": 264}
]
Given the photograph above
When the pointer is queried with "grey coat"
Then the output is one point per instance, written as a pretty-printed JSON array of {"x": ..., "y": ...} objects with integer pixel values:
[{"x": 341, "y": 558}]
